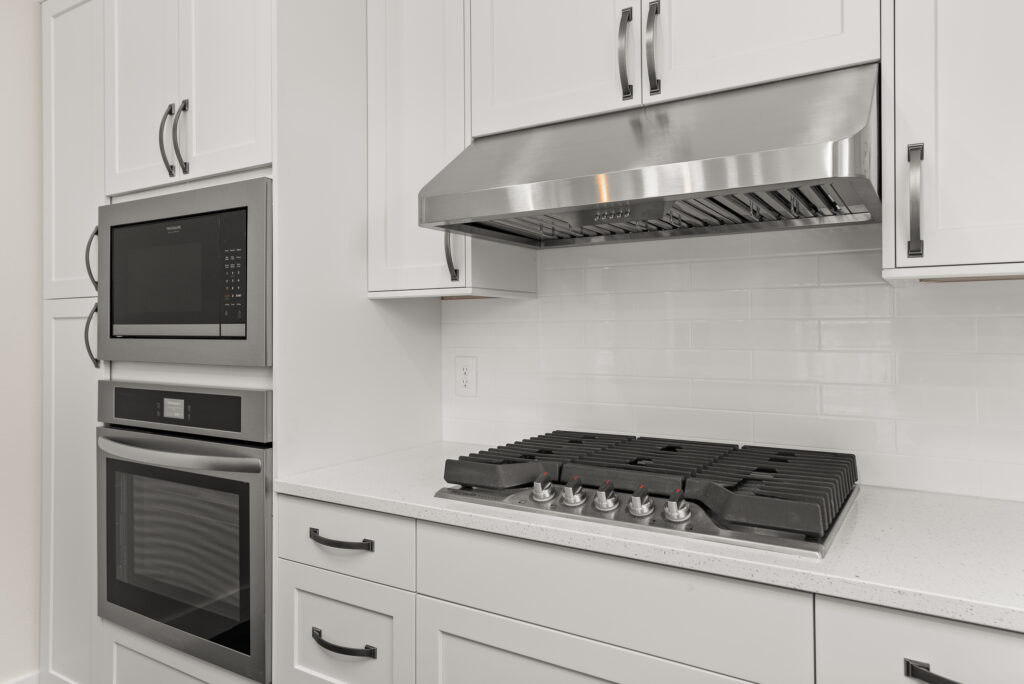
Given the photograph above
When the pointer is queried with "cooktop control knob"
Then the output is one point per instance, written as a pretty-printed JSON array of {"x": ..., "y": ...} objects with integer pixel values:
[
  {"x": 605, "y": 499},
  {"x": 640, "y": 505},
  {"x": 542, "y": 489},
  {"x": 573, "y": 494},
  {"x": 676, "y": 509}
]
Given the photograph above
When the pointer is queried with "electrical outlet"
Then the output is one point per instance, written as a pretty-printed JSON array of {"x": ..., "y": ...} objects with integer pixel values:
[{"x": 465, "y": 376}]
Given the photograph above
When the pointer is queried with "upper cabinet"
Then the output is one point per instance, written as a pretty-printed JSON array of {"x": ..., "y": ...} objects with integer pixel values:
[
  {"x": 188, "y": 90},
  {"x": 72, "y": 65},
  {"x": 536, "y": 62},
  {"x": 693, "y": 47},
  {"x": 954, "y": 158},
  {"x": 417, "y": 123}
]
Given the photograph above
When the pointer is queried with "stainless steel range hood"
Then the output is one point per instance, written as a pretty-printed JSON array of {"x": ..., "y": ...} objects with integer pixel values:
[{"x": 791, "y": 154}]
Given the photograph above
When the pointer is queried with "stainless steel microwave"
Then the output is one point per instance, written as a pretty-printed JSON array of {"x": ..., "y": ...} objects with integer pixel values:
[{"x": 186, "y": 277}]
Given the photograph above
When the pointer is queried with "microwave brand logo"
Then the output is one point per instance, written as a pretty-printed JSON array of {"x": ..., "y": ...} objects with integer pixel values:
[{"x": 173, "y": 229}]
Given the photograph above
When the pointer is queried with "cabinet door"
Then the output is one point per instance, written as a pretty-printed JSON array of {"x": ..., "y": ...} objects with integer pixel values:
[
  {"x": 72, "y": 39},
  {"x": 225, "y": 76},
  {"x": 142, "y": 80},
  {"x": 858, "y": 643},
  {"x": 953, "y": 62},
  {"x": 536, "y": 61},
  {"x": 417, "y": 124},
  {"x": 456, "y": 645},
  {"x": 68, "y": 516},
  {"x": 700, "y": 46},
  {"x": 319, "y": 611}
]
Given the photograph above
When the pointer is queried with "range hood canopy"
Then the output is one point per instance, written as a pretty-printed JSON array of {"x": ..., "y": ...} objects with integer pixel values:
[{"x": 791, "y": 154}]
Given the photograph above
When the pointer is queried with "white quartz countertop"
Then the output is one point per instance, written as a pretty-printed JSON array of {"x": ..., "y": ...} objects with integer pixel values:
[{"x": 950, "y": 556}]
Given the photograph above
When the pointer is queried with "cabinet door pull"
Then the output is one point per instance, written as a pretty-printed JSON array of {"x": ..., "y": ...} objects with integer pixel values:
[
  {"x": 174, "y": 136},
  {"x": 365, "y": 545},
  {"x": 366, "y": 651},
  {"x": 160, "y": 139},
  {"x": 627, "y": 88},
  {"x": 88, "y": 264},
  {"x": 652, "y": 71},
  {"x": 452, "y": 271},
  {"x": 88, "y": 345},
  {"x": 915, "y": 669},
  {"x": 915, "y": 246}
]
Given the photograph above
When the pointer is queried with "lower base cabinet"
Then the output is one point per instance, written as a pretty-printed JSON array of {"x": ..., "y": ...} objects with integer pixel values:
[
  {"x": 858, "y": 643},
  {"x": 457, "y": 645},
  {"x": 331, "y": 628}
]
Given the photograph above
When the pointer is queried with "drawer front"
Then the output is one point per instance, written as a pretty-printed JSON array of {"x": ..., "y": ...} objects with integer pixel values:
[
  {"x": 859, "y": 643},
  {"x": 350, "y": 613},
  {"x": 392, "y": 561},
  {"x": 687, "y": 617},
  {"x": 457, "y": 645}
]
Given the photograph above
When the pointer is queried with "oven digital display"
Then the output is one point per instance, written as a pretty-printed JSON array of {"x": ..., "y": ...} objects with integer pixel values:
[{"x": 174, "y": 408}]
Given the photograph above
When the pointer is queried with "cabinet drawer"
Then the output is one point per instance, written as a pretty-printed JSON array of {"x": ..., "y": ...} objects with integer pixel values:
[
  {"x": 347, "y": 612},
  {"x": 860, "y": 643},
  {"x": 392, "y": 561},
  {"x": 684, "y": 616}
]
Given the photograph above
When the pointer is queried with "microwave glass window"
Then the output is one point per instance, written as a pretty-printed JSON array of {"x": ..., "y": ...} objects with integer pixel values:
[
  {"x": 178, "y": 550},
  {"x": 187, "y": 271}
]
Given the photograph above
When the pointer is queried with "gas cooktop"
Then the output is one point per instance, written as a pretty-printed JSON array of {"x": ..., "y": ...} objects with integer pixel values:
[{"x": 766, "y": 497}]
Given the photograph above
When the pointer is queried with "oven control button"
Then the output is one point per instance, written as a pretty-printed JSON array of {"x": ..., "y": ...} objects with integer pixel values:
[
  {"x": 605, "y": 499},
  {"x": 573, "y": 494},
  {"x": 676, "y": 509},
  {"x": 640, "y": 505},
  {"x": 542, "y": 489}
]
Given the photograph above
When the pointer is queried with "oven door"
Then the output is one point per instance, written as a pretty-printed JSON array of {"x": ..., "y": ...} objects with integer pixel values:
[{"x": 183, "y": 546}]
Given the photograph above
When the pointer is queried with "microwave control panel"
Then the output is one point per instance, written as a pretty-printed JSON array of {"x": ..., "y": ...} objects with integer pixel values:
[{"x": 232, "y": 247}]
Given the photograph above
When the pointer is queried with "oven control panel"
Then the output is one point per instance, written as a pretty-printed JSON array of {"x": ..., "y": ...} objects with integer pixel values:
[{"x": 209, "y": 411}]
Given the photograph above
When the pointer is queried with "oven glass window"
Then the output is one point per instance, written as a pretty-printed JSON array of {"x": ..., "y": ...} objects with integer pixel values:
[
  {"x": 178, "y": 550},
  {"x": 187, "y": 271}
]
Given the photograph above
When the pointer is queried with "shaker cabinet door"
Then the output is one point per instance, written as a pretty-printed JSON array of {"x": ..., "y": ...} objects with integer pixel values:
[
  {"x": 954, "y": 63},
  {"x": 693, "y": 47},
  {"x": 536, "y": 61}
]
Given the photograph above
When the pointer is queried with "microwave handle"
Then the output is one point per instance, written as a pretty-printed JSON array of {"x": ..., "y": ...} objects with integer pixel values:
[
  {"x": 88, "y": 344},
  {"x": 180, "y": 459},
  {"x": 88, "y": 263}
]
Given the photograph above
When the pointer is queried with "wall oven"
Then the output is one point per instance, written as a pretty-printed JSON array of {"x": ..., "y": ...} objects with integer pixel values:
[
  {"x": 186, "y": 277},
  {"x": 184, "y": 479}
]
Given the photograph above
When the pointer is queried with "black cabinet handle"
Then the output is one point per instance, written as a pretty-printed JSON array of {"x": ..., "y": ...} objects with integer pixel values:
[
  {"x": 915, "y": 669},
  {"x": 88, "y": 264},
  {"x": 366, "y": 651},
  {"x": 88, "y": 345},
  {"x": 365, "y": 545},
  {"x": 174, "y": 136},
  {"x": 160, "y": 139}
]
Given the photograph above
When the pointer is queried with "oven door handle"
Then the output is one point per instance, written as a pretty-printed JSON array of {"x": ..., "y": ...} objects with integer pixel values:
[{"x": 180, "y": 459}]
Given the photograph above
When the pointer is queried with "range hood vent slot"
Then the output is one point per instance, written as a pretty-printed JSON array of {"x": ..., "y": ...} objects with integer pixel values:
[{"x": 793, "y": 154}]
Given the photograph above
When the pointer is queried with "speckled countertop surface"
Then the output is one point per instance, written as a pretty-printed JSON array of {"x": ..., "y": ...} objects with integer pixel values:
[{"x": 949, "y": 556}]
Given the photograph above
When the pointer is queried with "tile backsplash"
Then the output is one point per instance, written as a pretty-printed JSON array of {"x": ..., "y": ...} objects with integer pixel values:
[{"x": 787, "y": 338}]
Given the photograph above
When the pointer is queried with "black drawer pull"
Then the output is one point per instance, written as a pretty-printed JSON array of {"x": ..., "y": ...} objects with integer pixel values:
[
  {"x": 365, "y": 545},
  {"x": 366, "y": 651},
  {"x": 915, "y": 669}
]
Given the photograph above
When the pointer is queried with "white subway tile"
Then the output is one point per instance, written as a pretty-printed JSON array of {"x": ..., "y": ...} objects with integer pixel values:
[
  {"x": 1001, "y": 335},
  {"x": 1002, "y": 480},
  {"x": 985, "y": 298},
  {"x": 635, "y": 334},
  {"x": 638, "y": 278},
  {"x": 761, "y": 334},
  {"x": 936, "y": 404},
  {"x": 711, "y": 304},
  {"x": 964, "y": 370},
  {"x": 851, "y": 268},
  {"x": 828, "y": 367},
  {"x": 998, "y": 443},
  {"x": 562, "y": 334},
  {"x": 477, "y": 408},
  {"x": 488, "y": 310},
  {"x": 754, "y": 273},
  {"x": 823, "y": 432},
  {"x": 708, "y": 363},
  {"x": 490, "y": 335},
  {"x": 935, "y": 440},
  {"x": 488, "y": 433},
  {"x": 836, "y": 239},
  {"x": 721, "y": 426},
  {"x": 1001, "y": 407},
  {"x": 857, "y": 334},
  {"x": 588, "y": 417},
  {"x": 665, "y": 392},
  {"x": 571, "y": 388},
  {"x": 755, "y": 396},
  {"x": 933, "y": 334},
  {"x": 560, "y": 281},
  {"x": 647, "y": 252},
  {"x": 826, "y": 302},
  {"x": 931, "y": 474}
]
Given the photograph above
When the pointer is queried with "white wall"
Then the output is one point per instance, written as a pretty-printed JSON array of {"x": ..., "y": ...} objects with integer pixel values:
[
  {"x": 779, "y": 338},
  {"x": 20, "y": 336}
]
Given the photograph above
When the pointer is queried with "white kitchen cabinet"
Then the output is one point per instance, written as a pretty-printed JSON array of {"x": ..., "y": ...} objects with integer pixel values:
[
  {"x": 320, "y": 610},
  {"x": 417, "y": 114},
  {"x": 205, "y": 66},
  {"x": 950, "y": 66},
  {"x": 72, "y": 65},
  {"x": 858, "y": 643},
  {"x": 536, "y": 62},
  {"x": 68, "y": 515},
  {"x": 702, "y": 46},
  {"x": 457, "y": 645}
]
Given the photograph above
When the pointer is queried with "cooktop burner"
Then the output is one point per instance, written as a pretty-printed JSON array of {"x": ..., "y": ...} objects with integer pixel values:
[{"x": 767, "y": 497}]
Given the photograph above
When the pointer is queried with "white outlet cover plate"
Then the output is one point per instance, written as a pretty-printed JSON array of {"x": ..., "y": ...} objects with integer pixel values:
[{"x": 465, "y": 376}]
